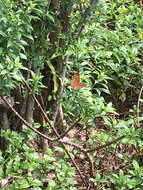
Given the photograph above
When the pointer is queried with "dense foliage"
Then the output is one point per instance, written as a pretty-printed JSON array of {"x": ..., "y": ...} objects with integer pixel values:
[{"x": 39, "y": 54}]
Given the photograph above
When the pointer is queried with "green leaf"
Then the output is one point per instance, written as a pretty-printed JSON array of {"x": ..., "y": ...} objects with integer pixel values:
[
  {"x": 23, "y": 56},
  {"x": 52, "y": 185},
  {"x": 36, "y": 182},
  {"x": 136, "y": 165},
  {"x": 50, "y": 17},
  {"x": 54, "y": 76},
  {"x": 23, "y": 184},
  {"x": 28, "y": 36},
  {"x": 2, "y": 33}
]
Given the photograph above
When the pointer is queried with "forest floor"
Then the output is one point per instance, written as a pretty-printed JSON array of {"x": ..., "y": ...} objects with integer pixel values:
[{"x": 107, "y": 161}]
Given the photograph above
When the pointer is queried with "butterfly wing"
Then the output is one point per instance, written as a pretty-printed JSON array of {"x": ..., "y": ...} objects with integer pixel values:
[
  {"x": 75, "y": 82},
  {"x": 80, "y": 86}
]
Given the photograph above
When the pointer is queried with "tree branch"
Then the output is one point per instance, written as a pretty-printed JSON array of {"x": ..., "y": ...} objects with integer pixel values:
[
  {"x": 24, "y": 121},
  {"x": 105, "y": 145}
]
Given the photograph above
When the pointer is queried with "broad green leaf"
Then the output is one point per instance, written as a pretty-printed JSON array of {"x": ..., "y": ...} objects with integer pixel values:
[
  {"x": 54, "y": 76},
  {"x": 23, "y": 184},
  {"x": 2, "y": 33},
  {"x": 23, "y": 56},
  {"x": 50, "y": 17}
]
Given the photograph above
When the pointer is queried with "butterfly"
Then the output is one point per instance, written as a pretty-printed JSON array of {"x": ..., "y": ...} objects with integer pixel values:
[{"x": 75, "y": 82}]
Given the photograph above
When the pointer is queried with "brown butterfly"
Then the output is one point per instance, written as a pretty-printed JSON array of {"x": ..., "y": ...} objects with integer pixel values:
[{"x": 75, "y": 82}]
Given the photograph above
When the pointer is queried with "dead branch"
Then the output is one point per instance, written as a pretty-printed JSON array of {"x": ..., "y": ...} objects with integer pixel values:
[{"x": 105, "y": 145}]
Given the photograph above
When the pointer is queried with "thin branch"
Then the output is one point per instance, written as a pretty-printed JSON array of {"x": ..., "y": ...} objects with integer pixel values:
[
  {"x": 70, "y": 128},
  {"x": 89, "y": 187},
  {"x": 91, "y": 165},
  {"x": 40, "y": 107},
  {"x": 93, "y": 149},
  {"x": 138, "y": 107},
  {"x": 61, "y": 88},
  {"x": 24, "y": 121},
  {"x": 67, "y": 141},
  {"x": 74, "y": 163},
  {"x": 105, "y": 145},
  {"x": 132, "y": 77}
]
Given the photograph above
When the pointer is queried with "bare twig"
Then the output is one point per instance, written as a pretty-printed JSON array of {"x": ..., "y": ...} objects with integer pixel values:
[
  {"x": 61, "y": 88},
  {"x": 93, "y": 149},
  {"x": 24, "y": 121},
  {"x": 39, "y": 106},
  {"x": 73, "y": 144},
  {"x": 70, "y": 128},
  {"x": 91, "y": 165},
  {"x": 89, "y": 187},
  {"x": 132, "y": 77},
  {"x": 105, "y": 145},
  {"x": 138, "y": 107}
]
